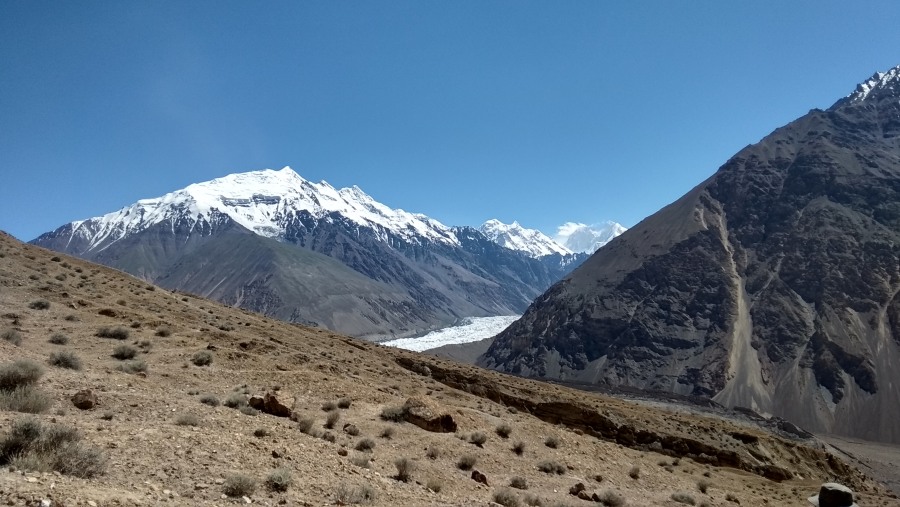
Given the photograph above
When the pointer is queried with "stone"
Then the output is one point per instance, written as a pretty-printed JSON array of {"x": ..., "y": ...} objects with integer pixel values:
[
  {"x": 578, "y": 488},
  {"x": 479, "y": 477},
  {"x": 270, "y": 404},
  {"x": 428, "y": 415},
  {"x": 85, "y": 399}
]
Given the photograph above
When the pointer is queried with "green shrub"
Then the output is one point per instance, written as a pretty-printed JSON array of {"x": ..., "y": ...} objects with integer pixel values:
[
  {"x": 19, "y": 373},
  {"x": 237, "y": 485},
  {"x": 12, "y": 336},
  {"x": 64, "y": 360},
  {"x": 123, "y": 352},
  {"x": 59, "y": 339},
  {"x": 279, "y": 479},
  {"x": 202, "y": 358},
  {"x": 115, "y": 333}
]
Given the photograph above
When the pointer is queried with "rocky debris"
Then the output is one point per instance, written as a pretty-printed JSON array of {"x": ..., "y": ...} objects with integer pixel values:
[
  {"x": 270, "y": 404},
  {"x": 428, "y": 415},
  {"x": 85, "y": 399},
  {"x": 578, "y": 488},
  {"x": 479, "y": 477}
]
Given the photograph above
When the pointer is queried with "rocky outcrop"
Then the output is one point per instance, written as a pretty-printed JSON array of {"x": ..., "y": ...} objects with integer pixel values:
[
  {"x": 269, "y": 403},
  {"x": 773, "y": 285},
  {"x": 85, "y": 399},
  {"x": 428, "y": 415}
]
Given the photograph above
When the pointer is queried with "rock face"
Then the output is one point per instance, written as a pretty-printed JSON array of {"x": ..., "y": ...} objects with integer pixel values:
[
  {"x": 428, "y": 416},
  {"x": 773, "y": 285}
]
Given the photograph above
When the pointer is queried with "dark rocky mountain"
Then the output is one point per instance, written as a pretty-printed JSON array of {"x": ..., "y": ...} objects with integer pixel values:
[
  {"x": 272, "y": 242},
  {"x": 773, "y": 285}
]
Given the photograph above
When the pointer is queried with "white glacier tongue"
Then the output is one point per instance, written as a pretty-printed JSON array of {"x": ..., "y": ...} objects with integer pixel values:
[
  {"x": 261, "y": 201},
  {"x": 471, "y": 329},
  {"x": 586, "y": 238},
  {"x": 532, "y": 242},
  {"x": 889, "y": 80}
]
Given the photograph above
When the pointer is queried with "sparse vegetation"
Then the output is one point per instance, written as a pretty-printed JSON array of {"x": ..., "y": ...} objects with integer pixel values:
[
  {"x": 115, "y": 333},
  {"x": 237, "y": 485},
  {"x": 360, "y": 461},
  {"x": 305, "y": 424},
  {"x": 235, "y": 400},
  {"x": 683, "y": 498},
  {"x": 344, "y": 403},
  {"x": 19, "y": 373},
  {"x": 467, "y": 462},
  {"x": 503, "y": 430},
  {"x": 248, "y": 410},
  {"x": 354, "y": 495},
  {"x": 187, "y": 420},
  {"x": 405, "y": 469},
  {"x": 519, "y": 448},
  {"x": 12, "y": 336},
  {"x": 58, "y": 339},
  {"x": 395, "y": 414},
  {"x": 26, "y": 399},
  {"x": 332, "y": 418},
  {"x": 703, "y": 485},
  {"x": 279, "y": 479},
  {"x": 136, "y": 366},
  {"x": 433, "y": 452},
  {"x": 610, "y": 498},
  {"x": 731, "y": 498},
  {"x": 387, "y": 433},
  {"x": 209, "y": 399},
  {"x": 551, "y": 467},
  {"x": 635, "y": 472},
  {"x": 202, "y": 358},
  {"x": 39, "y": 304},
  {"x": 552, "y": 441},
  {"x": 123, "y": 352},
  {"x": 31, "y": 445},
  {"x": 329, "y": 406},
  {"x": 434, "y": 484},
  {"x": 260, "y": 432},
  {"x": 64, "y": 360},
  {"x": 366, "y": 445},
  {"x": 506, "y": 498},
  {"x": 478, "y": 438},
  {"x": 163, "y": 331},
  {"x": 518, "y": 483}
]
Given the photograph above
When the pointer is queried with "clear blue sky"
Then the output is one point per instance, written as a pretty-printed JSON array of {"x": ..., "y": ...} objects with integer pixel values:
[{"x": 541, "y": 112}]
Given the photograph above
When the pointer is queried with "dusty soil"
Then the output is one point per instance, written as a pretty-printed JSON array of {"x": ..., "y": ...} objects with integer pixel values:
[{"x": 645, "y": 454}]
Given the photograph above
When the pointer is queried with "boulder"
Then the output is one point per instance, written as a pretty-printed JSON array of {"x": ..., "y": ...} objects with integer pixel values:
[
  {"x": 479, "y": 477},
  {"x": 270, "y": 404},
  {"x": 85, "y": 399},
  {"x": 428, "y": 415}
]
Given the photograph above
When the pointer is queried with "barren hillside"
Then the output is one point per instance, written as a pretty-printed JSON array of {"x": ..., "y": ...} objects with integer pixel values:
[{"x": 160, "y": 430}]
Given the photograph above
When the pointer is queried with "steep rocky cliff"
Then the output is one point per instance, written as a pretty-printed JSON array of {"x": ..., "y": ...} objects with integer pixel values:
[{"x": 772, "y": 285}]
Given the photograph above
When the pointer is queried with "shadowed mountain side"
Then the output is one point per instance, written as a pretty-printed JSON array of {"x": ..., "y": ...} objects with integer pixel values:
[{"x": 772, "y": 285}]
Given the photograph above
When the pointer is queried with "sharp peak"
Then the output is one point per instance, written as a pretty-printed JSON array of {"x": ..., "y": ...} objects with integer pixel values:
[{"x": 887, "y": 80}]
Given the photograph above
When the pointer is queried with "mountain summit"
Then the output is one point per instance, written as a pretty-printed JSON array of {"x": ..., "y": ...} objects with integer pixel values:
[
  {"x": 532, "y": 242},
  {"x": 584, "y": 238},
  {"x": 773, "y": 285},
  {"x": 275, "y": 243}
]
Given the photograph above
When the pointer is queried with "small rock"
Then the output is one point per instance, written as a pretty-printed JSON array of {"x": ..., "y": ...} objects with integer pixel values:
[
  {"x": 578, "y": 488},
  {"x": 246, "y": 500},
  {"x": 31, "y": 479},
  {"x": 92, "y": 503},
  {"x": 85, "y": 399},
  {"x": 584, "y": 495},
  {"x": 276, "y": 454}
]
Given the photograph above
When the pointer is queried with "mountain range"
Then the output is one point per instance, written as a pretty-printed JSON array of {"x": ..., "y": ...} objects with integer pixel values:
[
  {"x": 773, "y": 285},
  {"x": 273, "y": 242}
]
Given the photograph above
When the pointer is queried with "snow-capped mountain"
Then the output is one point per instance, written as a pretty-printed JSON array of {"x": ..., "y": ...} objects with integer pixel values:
[
  {"x": 532, "y": 242},
  {"x": 881, "y": 82},
  {"x": 585, "y": 238},
  {"x": 263, "y": 202},
  {"x": 275, "y": 243}
]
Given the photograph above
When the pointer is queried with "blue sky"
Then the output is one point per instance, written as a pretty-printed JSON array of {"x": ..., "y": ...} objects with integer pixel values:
[{"x": 541, "y": 112}]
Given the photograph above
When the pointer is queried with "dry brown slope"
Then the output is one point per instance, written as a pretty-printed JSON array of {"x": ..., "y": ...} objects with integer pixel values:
[{"x": 153, "y": 459}]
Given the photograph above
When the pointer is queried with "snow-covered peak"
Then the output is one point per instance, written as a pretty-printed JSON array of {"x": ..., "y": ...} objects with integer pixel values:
[
  {"x": 532, "y": 242},
  {"x": 261, "y": 201},
  {"x": 586, "y": 238},
  {"x": 888, "y": 81}
]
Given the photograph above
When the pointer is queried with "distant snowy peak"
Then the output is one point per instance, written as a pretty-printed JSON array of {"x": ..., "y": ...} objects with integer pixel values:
[
  {"x": 263, "y": 202},
  {"x": 880, "y": 83},
  {"x": 585, "y": 238},
  {"x": 532, "y": 242}
]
